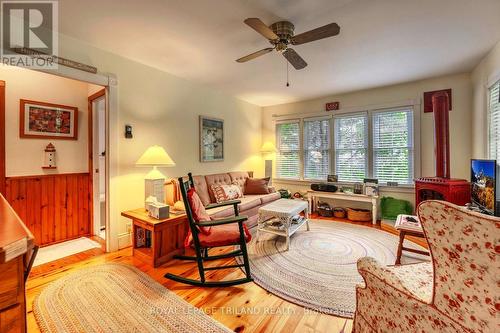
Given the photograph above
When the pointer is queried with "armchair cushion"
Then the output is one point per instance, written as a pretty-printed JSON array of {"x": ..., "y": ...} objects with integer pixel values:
[
  {"x": 415, "y": 279},
  {"x": 198, "y": 210},
  {"x": 222, "y": 235}
]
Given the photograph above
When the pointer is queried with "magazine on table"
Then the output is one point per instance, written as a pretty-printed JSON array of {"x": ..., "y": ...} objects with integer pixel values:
[{"x": 408, "y": 222}]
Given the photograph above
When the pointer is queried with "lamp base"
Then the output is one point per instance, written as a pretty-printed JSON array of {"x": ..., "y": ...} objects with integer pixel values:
[
  {"x": 269, "y": 170},
  {"x": 155, "y": 188}
]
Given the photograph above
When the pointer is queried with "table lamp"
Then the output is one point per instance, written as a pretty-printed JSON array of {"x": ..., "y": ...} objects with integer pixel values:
[
  {"x": 268, "y": 148},
  {"x": 155, "y": 156}
]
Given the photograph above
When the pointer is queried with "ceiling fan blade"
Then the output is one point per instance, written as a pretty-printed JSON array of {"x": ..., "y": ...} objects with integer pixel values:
[
  {"x": 325, "y": 31},
  {"x": 255, "y": 55},
  {"x": 261, "y": 28},
  {"x": 294, "y": 58}
]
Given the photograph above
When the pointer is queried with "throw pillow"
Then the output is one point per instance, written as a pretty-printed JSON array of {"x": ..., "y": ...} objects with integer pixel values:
[
  {"x": 198, "y": 210},
  {"x": 257, "y": 186},
  {"x": 226, "y": 192}
]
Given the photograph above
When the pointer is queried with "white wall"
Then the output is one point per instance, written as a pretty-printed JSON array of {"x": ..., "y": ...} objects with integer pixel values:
[
  {"x": 163, "y": 110},
  {"x": 482, "y": 76},
  {"x": 460, "y": 120},
  {"x": 24, "y": 156}
]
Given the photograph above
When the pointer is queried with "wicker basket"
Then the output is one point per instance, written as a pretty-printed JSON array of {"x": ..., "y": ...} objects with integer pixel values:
[
  {"x": 339, "y": 212},
  {"x": 324, "y": 210},
  {"x": 359, "y": 215}
]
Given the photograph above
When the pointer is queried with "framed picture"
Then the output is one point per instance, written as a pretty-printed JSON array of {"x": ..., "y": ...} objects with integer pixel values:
[
  {"x": 48, "y": 121},
  {"x": 211, "y": 139},
  {"x": 332, "y": 178}
]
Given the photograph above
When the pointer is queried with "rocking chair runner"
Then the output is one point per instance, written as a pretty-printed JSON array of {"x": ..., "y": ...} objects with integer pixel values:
[{"x": 211, "y": 234}]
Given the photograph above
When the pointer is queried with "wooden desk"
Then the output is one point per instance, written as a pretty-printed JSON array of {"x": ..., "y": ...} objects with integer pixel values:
[
  {"x": 167, "y": 236},
  {"x": 16, "y": 250},
  {"x": 313, "y": 195}
]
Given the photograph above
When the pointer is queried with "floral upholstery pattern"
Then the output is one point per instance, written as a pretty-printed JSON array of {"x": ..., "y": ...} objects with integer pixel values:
[{"x": 459, "y": 293}]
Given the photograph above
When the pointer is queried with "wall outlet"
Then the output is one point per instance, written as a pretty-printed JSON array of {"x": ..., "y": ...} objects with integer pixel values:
[{"x": 129, "y": 227}]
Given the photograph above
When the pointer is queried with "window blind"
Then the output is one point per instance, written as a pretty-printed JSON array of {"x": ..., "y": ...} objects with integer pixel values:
[
  {"x": 494, "y": 121},
  {"x": 316, "y": 148},
  {"x": 288, "y": 145},
  {"x": 351, "y": 146},
  {"x": 393, "y": 146}
]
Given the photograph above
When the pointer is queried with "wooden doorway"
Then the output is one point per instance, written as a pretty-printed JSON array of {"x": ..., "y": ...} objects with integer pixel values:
[{"x": 97, "y": 162}]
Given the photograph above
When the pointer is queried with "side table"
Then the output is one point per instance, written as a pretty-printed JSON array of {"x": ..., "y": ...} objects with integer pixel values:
[
  {"x": 408, "y": 228},
  {"x": 162, "y": 239}
]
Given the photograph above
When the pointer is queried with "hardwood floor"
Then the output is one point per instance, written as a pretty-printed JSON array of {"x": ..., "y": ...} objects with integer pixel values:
[{"x": 246, "y": 308}]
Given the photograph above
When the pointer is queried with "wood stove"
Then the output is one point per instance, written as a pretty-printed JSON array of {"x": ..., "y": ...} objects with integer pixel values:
[{"x": 442, "y": 187}]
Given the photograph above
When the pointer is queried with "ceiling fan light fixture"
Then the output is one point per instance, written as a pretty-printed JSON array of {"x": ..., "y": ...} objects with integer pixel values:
[{"x": 281, "y": 34}]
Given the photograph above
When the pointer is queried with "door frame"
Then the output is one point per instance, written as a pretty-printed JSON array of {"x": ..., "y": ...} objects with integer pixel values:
[
  {"x": 110, "y": 83},
  {"x": 90, "y": 111}
]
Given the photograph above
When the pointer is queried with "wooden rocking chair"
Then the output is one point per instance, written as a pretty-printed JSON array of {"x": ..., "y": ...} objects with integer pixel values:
[{"x": 222, "y": 232}]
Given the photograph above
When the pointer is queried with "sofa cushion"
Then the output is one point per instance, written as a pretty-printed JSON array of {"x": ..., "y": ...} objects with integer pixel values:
[
  {"x": 221, "y": 212},
  {"x": 216, "y": 179},
  {"x": 257, "y": 186},
  {"x": 226, "y": 192},
  {"x": 239, "y": 177},
  {"x": 201, "y": 188},
  {"x": 267, "y": 198},
  {"x": 249, "y": 202}
]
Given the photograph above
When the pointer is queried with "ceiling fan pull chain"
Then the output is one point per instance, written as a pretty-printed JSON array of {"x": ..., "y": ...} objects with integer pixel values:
[{"x": 287, "y": 71}]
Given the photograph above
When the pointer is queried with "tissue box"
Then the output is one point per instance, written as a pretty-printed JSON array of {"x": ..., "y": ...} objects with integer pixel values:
[{"x": 158, "y": 210}]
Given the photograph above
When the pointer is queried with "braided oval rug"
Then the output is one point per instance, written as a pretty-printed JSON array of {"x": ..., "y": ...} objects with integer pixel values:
[
  {"x": 319, "y": 271},
  {"x": 116, "y": 298}
]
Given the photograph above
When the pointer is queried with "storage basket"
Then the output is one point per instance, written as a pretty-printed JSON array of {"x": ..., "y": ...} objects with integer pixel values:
[
  {"x": 339, "y": 212},
  {"x": 359, "y": 215},
  {"x": 324, "y": 210}
]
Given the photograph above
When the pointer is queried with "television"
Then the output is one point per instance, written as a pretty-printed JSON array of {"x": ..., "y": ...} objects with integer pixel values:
[{"x": 483, "y": 184}]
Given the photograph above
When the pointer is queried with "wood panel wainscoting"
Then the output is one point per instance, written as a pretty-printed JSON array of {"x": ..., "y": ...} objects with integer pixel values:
[{"x": 55, "y": 207}]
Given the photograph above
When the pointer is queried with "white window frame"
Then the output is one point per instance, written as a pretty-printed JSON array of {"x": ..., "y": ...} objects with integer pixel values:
[
  {"x": 330, "y": 144},
  {"x": 371, "y": 152},
  {"x": 300, "y": 152},
  {"x": 413, "y": 104},
  {"x": 491, "y": 82},
  {"x": 368, "y": 141}
]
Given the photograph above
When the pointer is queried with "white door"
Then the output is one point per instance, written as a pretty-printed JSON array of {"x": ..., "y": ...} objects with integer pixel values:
[{"x": 99, "y": 165}]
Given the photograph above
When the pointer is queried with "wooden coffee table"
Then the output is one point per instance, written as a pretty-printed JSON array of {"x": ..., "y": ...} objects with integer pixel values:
[{"x": 282, "y": 211}]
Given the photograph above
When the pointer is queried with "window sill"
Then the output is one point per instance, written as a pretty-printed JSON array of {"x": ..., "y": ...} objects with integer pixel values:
[{"x": 383, "y": 188}]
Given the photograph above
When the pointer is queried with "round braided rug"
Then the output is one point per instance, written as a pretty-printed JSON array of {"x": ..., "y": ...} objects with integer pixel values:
[
  {"x": 116, "y": 298},
  {"x": 319, "y": 270}
]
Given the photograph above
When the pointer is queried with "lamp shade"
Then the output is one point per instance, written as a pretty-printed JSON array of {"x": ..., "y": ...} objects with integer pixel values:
[
  {"x": 268, "y": 147},
  {"x": 155, "y": 156}
]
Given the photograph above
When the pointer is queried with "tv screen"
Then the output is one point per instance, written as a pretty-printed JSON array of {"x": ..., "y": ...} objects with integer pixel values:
[{"x": 483, "y": 179}]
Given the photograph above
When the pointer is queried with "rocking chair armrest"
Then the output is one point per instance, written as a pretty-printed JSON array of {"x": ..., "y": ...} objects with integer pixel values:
[
  {"x": 232, "y": 219},
  {"x": 222, "y": 204}
]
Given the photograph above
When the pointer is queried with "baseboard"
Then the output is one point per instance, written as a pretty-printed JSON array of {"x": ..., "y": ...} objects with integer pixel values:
[{"x": 124, "y": 240}]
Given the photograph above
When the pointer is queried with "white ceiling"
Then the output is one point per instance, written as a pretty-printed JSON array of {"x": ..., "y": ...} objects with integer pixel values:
[{"x": 381, "y": 42}]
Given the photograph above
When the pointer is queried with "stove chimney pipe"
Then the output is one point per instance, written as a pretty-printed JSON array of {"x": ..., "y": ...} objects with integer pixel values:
[{"x": 440, "y": 108}]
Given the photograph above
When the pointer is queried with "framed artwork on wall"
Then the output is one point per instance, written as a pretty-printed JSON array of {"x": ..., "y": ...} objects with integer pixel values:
[
  {"x": 47, "y": 120},
  {"x": 211, "y": 139}
]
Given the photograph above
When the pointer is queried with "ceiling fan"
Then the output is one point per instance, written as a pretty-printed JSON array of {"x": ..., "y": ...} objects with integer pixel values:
[{"x": 280, "y": 35}]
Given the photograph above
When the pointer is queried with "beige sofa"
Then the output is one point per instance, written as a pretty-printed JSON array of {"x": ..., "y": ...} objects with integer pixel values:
[{"x": 249, "y": 203}]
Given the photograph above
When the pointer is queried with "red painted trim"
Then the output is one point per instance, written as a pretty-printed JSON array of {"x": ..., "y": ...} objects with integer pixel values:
[{"x": 2, "y": 137}]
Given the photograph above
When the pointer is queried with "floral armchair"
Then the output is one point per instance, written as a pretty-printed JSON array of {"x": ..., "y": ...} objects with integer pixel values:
[{"x": 458, "y": 292}]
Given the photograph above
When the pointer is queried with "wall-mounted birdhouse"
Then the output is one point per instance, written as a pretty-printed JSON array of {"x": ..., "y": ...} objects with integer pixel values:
[{"x": 49, "y": 157}]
